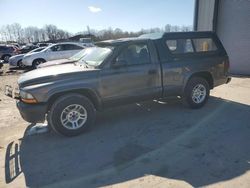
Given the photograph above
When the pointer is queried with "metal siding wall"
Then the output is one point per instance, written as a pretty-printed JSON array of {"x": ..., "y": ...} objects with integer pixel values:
[
  {"x": 205, "y": 15},
  {"x": 233, "y": 28}
]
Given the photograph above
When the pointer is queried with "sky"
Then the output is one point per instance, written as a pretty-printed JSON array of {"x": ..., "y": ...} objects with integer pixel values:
[{"x": 75, "y": 15}]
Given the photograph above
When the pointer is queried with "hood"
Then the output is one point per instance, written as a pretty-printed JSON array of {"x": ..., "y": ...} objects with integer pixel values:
[
  {"x": 55, "y": 62},
  {"x": 17, "y": 56},
  {"x": 54, "y": 73},
  {"x": 32, "y": 54}
]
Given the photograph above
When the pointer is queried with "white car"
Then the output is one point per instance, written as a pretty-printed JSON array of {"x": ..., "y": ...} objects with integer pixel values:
[
  {"x": 16, "y": 61},
  {"x": 56, "y": 51},
  {"x": 73, "y": 59}
]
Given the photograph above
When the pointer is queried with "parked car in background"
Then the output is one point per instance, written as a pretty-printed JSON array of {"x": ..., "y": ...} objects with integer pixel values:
[
  {"x": 1, "y": 64},
  {"x": 117, "y": 72},
  {"x": 16, "y": 45},
  {"x": 16, "y": 61},
  {"x": 43, "y": 44},
  {"x": 73, "y": 59},
  {"x": 27, "y": 48},
  {"x": 53, "y": 52},
  {"x": 87, "y": 42},
  {"x": 7, "y": 51}
]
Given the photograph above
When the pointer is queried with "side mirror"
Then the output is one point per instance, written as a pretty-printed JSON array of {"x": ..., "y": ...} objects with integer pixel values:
[{"x": 119, "y": 64}]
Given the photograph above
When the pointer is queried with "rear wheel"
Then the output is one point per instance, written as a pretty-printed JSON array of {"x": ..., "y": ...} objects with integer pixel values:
[
  {"x": 196, "y": 92},
  {"x": 71, "y": 115},
  {"x": 37, "y": 62}
]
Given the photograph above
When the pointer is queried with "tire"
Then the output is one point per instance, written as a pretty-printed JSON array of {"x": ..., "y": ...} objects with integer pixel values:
[
  {"x": 65, "y": 111},
  {"x": 6, "y": 58},
  {"x": 20, "y": 64},
  {"x": 196, "y": 93},
  {"x": 37, "y": 62}
]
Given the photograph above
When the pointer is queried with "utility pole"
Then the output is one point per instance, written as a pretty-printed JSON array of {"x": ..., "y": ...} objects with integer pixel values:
[{"x": 88, "y": 30}]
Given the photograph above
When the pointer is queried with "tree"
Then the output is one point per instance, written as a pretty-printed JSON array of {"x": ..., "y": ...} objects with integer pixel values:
[
  {"x": 15, "y": 32},
  {"x": 168, "y": 28},
  {"x": 16, "y": 29}
]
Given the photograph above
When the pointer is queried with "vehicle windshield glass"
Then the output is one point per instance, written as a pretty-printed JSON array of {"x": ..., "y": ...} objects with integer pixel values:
[
  {"x": 79, "y": 55},
  {"x": 96, "y": 55},
  {"x": 36, "y": 50},
  {"x": 46, "y": 48}
]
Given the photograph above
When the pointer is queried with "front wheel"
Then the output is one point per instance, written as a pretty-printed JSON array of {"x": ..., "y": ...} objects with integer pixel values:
[
  {"x": 196, "y": 92},
  {"x": 20, "y": 64},
  {"x": 71, "y": 115},
  {"x": 37, "y": 62}
]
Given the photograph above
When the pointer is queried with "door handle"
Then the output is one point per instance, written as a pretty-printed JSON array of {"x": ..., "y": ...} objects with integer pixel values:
[{"x": 152, "y": 71}]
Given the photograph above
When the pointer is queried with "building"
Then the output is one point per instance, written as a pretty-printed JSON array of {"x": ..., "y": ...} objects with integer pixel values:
[{"x": 230, "y": 19}]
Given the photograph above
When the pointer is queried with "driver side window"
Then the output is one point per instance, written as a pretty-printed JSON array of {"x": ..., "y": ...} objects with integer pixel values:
[
  {"x": 134, "y": 54},
  {"x": 56, "y": 48}
]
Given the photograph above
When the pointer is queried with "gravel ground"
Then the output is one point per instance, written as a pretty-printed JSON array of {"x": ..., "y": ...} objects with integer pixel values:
[{"x": 149, "y": 144}]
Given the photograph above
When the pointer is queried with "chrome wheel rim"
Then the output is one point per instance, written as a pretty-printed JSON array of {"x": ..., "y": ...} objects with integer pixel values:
[
  {"x": 199, "y": 93},
  {"x": 73, "y": 116}
]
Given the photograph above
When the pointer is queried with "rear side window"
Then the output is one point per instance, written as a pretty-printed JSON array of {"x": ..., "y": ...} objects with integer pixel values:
[
  {"x": 196, "y": 45},
  {"x": 204, "y": 45},
  {"x": 56, "y": 48},
  {"x": 71, "y": 47},
  {"x": 180, "y": 46}
]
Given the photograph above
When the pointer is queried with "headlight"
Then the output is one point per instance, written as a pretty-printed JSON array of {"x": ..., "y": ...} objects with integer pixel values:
[{"x": 27, "y": 97}]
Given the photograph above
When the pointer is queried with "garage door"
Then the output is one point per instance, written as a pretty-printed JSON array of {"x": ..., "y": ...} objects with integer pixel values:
[{"x": 233, "y": 29}]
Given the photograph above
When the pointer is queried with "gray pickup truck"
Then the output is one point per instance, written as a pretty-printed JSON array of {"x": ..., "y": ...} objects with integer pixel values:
[{"x": 116, "y": 72}]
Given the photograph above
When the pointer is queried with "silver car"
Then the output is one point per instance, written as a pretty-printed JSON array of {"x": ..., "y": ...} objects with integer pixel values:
[
  {"x": 16, "y": 61},
  {"x": 73, "y": 59},
  {"x": 57, "y": 51}
]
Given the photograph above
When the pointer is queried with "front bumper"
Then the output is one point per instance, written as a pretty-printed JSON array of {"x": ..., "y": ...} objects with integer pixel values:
[
  {"x": 12, "y": 63},
  {"x": 33, "y": 113}
]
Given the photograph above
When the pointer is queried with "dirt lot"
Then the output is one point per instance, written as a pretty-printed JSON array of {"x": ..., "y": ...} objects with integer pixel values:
[{"x": 151, "y": 144}]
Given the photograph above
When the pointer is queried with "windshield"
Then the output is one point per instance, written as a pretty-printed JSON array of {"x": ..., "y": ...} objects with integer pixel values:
[
  {"x": 79, "y": 55},
  {"x": 36, "y": 50},
  {"x": 95, "y": 56}
]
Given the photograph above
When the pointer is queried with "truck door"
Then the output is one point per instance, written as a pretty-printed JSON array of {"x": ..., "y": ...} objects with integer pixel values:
[{"x": 133, "y": 75}]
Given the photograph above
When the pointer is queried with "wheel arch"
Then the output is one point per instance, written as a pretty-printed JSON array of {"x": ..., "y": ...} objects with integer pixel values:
[
  {"x": 90, "y": 94},
  {"x": 2, "y": 57},
  {"x": 202, "y": 74},
  {"x": 38, "y": 59},
  {"x": 18, "y": 62}
]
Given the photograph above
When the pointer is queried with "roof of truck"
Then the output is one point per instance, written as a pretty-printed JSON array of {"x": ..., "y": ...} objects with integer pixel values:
[
  {"x": 118, "y": 41},
  {"x": 157, "y": 36}
]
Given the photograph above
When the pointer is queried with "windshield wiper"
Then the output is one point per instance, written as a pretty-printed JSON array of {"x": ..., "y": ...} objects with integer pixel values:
[{"x": 85, "y": 63}]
